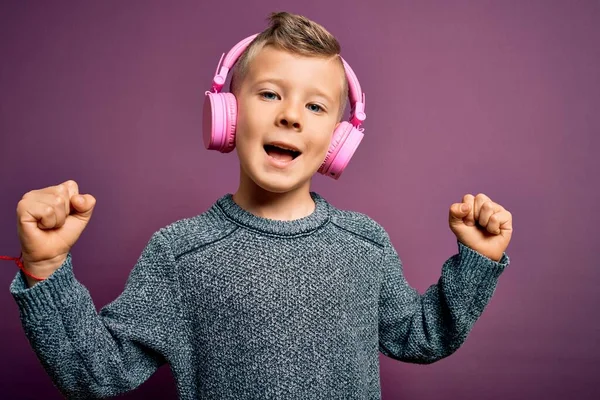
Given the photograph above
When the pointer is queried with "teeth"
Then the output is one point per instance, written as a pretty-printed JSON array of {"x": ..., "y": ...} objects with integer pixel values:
[{"x": 286, "y": 148}]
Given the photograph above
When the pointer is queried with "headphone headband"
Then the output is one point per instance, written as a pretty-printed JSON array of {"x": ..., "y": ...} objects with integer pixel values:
[{"x": 355, "y": 94}]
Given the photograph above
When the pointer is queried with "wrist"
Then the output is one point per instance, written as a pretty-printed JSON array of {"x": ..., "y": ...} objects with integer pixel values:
[{"x": 36, "y": 271}]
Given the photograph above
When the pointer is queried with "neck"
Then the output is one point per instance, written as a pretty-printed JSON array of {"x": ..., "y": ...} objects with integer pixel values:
[{"x": 286, "y": 206}]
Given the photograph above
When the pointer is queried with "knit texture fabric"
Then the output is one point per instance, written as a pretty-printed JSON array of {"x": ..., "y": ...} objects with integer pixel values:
[{"x": 244, "y": 307}]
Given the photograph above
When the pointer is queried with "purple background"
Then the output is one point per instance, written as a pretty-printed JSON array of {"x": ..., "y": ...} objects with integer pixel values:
[{"x": 462, "y": 97}]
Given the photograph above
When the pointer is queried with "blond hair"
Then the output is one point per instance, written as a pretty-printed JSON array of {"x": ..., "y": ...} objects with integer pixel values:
[{"x": 297, "y": 35}]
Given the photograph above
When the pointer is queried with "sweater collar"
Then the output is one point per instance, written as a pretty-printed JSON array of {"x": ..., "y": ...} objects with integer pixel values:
[{"x": 240, "y": 216}]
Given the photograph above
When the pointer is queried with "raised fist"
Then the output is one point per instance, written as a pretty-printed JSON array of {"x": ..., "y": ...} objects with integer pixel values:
[{"x": 49, "y": 222}]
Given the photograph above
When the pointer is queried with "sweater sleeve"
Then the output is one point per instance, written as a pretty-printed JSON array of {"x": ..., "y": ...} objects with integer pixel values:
[
  {"x": 424, "y": 328},
  {"x": 90, "y": 354}
]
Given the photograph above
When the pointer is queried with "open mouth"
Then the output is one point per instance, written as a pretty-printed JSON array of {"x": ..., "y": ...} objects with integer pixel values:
[{"x": 281, "y": 153}]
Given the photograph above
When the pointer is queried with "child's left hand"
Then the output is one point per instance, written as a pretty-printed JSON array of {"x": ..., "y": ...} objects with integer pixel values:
[{"x": 482, "y": 225}]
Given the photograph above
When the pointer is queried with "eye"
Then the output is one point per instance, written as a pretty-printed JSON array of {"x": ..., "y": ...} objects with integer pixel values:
[
  {"x": 269, "y": 95},
  {"x": 315, "y": 108}
]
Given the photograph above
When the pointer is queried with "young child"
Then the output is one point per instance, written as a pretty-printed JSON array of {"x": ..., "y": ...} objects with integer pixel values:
[{"x": 272, "y": 293}]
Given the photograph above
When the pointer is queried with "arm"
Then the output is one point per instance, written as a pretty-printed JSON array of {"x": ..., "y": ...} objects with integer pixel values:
[
  {"x": 95, "y": 355},
  {"x": 425, "y": 328}
]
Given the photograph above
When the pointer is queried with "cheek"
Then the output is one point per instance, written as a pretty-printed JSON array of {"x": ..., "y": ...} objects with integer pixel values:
[
  {"x": 320, "y": 145},
  {"x": 243, "y": 129},
  {"x": 247, "y": 124}
]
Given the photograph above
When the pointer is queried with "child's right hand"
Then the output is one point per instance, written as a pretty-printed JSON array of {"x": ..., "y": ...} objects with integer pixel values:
[{"x": 49, "y": 222}]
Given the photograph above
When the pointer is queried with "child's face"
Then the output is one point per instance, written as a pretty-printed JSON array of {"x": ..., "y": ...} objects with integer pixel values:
[{"x": 293, "y": 101}]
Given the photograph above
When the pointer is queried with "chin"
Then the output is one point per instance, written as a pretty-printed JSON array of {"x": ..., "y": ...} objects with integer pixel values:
[
  {"x": 274, "y": 181},
  {"x": 279, "y": 184}
]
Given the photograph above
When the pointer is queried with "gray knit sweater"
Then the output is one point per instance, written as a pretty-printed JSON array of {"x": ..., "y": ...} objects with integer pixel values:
[{"x": 243, "y": 307}]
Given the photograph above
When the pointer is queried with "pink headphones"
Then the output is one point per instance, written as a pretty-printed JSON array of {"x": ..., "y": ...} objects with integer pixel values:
[{"x": 220, "y": 116}]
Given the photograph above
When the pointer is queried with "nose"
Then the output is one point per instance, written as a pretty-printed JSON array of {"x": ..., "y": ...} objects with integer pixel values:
[{"x": 290, "y": 116}]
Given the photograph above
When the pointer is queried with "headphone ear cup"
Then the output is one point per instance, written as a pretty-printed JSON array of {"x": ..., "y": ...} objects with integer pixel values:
[
  {"x": 219, "y": 121},
  {"x": 344, "y": 143}
]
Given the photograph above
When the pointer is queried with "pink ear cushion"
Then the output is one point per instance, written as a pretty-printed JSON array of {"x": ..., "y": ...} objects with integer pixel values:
[
  {"x": 219, "y": 121},
  {"x": 344, "y": 143},
  {"x": 338, "y": 136},
  {"x": 231, "y": 107}
]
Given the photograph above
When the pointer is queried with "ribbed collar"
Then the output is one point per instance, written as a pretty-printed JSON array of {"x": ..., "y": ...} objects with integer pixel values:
[{"x": 316, "y": 219}]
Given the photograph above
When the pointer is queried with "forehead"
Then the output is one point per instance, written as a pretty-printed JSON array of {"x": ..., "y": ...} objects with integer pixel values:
[{"x": 303, "y": 72}]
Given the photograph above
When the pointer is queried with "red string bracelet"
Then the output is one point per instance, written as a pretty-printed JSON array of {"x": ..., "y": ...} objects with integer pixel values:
[{"x": 19, "y": 263}]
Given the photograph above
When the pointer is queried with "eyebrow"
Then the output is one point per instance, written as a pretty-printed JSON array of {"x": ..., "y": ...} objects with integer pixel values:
[{"x": 282, "y": 82}]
